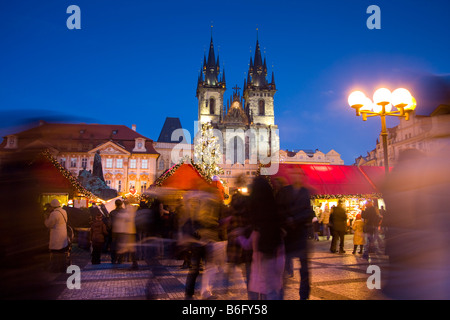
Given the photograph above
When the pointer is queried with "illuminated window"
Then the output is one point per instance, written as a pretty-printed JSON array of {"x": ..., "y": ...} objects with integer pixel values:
[
  {"x": 144, "y": 164},
  {"x": 261, "y": 107},
  {"x": 133, "y": 163},
  {"x": 119, "y": 163},
  {"x": 212, "y": 105},
  {"x": 73, "y": 162},
  {"x": 109, "y": 163},
  {"x": 84, "y": 163}
]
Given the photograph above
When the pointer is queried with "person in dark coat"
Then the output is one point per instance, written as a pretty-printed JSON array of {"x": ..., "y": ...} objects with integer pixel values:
[
  {"x": 294, "y": 204},
  {"x": 113, "y": 215},
  {"x": 97, "y": 235},
  {"x": 338, "y": 219},
  {"x": 371, "y": 223}
]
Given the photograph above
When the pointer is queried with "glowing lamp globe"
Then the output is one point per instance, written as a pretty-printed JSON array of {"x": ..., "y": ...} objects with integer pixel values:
[
  {"x": 356, "y": 98},
  {"x": 411, "y": 105},
  {"x": 401, "y": 96},
  {"x": 367, "y": 105},
  {"x": 377, "y": 108},
  {"x": 382, "y": 96}
]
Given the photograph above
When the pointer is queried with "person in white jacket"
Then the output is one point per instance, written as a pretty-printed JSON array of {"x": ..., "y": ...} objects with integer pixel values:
[{"x": 58, "y": 245}]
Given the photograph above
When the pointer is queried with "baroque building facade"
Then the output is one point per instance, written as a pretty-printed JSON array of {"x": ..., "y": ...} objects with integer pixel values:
[{"x": 128, "y": 158}]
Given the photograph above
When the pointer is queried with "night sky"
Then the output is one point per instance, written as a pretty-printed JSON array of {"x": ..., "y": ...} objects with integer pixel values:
[{"x": 137, "y": 62}]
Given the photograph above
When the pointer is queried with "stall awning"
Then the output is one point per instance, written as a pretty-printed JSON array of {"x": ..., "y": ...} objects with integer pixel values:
[
  {"x": 375, "y": 175},
  {"x": 337, "y": 180}
]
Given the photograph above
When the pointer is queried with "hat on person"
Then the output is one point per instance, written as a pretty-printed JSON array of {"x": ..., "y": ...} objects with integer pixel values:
[
  {"x": 55, "y": 203},
  {"x": 358, "y": 216}
]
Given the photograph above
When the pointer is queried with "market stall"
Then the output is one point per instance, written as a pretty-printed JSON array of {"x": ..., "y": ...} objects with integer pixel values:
[
  {"x": 178, "y": 180},
  {"x": 330, "y": 183}
]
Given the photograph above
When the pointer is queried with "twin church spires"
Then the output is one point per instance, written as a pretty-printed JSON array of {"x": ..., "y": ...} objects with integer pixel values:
[
  {"x": 256, "y": 101},
  {"x": 256, "y": 76}
]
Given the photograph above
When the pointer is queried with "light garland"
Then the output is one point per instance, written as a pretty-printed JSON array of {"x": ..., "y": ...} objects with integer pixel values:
[{"x": 66, "y": 174}]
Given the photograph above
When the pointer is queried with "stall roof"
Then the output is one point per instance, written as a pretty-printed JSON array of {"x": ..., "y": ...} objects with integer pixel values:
[
  {"x": 184, "y": 177},
  {"x": 376, "y": 175},
  {"x": 339, "y": 180}
]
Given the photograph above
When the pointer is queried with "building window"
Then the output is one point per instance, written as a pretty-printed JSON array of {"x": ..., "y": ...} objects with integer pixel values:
[
  {"x": 161, "y": 164},
  {"x": 144, "y": 164},
  {"x": 261, "y": 107},
  {"x": 119, "y": 186},
  {"x": 212, "y": 105},
  {"x": 109, "y": 163},
  {"x": 62, "y": 162},
  {"x": 73, "y": 162},
  {"x": 108, "y": 183},
  {"x": 133, "y": 163},
  {"x": 119, "y": 163},
  {"x": 84, "y": 163}
]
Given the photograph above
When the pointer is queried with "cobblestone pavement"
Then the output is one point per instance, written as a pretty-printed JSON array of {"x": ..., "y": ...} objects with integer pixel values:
[{"x": 333, "y": 277}]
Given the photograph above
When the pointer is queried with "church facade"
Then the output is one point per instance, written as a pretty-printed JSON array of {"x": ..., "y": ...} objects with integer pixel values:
[{"x": 245, "y": 122}]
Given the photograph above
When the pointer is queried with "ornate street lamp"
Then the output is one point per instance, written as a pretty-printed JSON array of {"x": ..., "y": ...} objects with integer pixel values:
[{"x": 399, "y": 103}]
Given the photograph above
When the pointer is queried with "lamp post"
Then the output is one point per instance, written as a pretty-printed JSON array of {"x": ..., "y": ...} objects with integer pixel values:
[{"x": 399, "y": 103}]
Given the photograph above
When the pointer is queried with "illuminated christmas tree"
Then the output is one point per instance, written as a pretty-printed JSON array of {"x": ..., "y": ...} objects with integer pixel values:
[{"x": 207, "y": 152}]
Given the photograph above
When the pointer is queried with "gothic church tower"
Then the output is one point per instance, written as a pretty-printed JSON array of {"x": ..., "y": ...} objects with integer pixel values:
[
  {"x": 210, "y": 89},
  {"x": 258, "y": 92},
  {"x": 247, "y": 120}
]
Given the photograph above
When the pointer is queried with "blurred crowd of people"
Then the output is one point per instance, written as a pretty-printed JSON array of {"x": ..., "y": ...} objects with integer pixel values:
[{"x": 257, "y": 235}]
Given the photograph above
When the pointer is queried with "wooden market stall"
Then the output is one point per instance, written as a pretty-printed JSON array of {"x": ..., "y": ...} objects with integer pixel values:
[
  {"x": 330, "y": 183},
  {"x": 180, "y": 179}
]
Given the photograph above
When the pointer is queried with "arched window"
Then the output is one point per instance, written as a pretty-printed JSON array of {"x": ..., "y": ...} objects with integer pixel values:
[
  {"x": 212, "y": 105},
  {"x": 236, "y": 150},
  {"x": 261, "y": 107}
]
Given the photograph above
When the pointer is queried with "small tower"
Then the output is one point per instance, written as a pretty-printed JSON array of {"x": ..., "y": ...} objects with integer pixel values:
[
  {"x": 258, "y": 92},
  {"x": 210, "y": 89}
]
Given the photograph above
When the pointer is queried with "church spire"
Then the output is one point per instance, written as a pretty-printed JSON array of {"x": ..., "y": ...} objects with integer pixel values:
[
  {"x": 257, "y": 71},
  {"x": 211, "y": 55},
  {"x": 211, "y": 68}
]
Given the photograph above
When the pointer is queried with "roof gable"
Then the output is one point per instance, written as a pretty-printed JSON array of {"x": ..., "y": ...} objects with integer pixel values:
[{"x": 110, "y": 148}]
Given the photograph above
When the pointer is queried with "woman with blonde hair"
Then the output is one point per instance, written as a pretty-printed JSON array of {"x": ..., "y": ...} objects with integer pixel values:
[{"x": 358, "y": 234}]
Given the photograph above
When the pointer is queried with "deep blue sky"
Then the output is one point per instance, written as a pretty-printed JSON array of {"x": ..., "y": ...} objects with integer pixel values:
[{"x": 137, "y": 62}]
